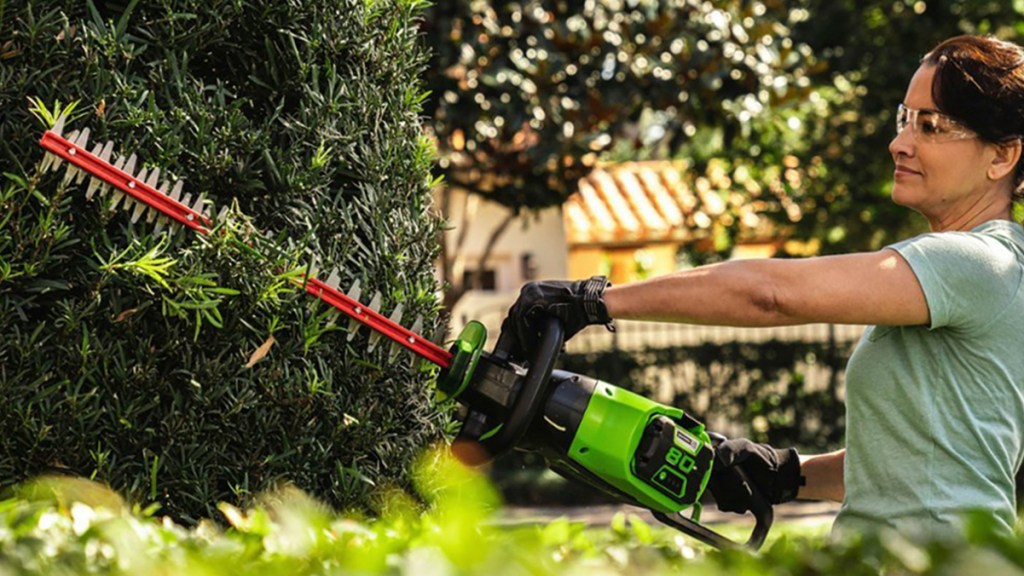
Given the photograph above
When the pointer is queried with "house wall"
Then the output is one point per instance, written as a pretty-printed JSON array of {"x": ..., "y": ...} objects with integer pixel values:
[
  {"x": 623, "y": 265},
  {"x": 542, "y": 235}
]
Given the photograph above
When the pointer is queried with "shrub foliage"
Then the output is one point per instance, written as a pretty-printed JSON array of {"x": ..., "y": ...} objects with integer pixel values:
[
  {"x": 77, "y": 528},
  {"x": 129, "y": 357}
]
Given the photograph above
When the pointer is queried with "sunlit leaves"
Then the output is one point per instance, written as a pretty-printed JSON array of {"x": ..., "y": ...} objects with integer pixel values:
[{"x": 527, "y": 95}]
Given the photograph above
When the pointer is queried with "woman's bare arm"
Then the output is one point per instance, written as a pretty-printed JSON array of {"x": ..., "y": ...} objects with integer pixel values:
[
  {"x": 824, "y": 477},
  {"x": 863, "y": 288}
]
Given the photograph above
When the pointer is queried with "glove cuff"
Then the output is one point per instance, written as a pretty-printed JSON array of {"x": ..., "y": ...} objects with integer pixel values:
[
  {"x": 789, "y": 480},
  {"x": 593, "y": 303}
]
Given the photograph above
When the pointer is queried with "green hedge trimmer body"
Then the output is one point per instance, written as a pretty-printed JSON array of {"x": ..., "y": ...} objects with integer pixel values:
[{"x": 637, "y": 450}]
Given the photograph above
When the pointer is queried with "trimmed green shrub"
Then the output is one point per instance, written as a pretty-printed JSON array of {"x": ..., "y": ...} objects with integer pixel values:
[{"x": 131, "y": 358}]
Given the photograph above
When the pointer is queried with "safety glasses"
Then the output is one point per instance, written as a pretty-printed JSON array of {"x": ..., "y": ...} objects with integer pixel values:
[{"x": 931, "y": 125}]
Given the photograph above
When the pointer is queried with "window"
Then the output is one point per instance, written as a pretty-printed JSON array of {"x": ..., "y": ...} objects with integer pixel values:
[{"x": 488, "y": 279}]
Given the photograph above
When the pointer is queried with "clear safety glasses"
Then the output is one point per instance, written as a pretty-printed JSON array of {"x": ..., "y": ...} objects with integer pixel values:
[{"x": 931, "y": 125}]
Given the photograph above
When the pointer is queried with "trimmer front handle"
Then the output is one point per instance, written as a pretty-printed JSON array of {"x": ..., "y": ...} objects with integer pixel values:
[{"x": 529, "y": 400}]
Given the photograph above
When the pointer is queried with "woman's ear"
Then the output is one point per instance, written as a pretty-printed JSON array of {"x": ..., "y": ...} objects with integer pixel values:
[{"x": 1006, "y": 158}]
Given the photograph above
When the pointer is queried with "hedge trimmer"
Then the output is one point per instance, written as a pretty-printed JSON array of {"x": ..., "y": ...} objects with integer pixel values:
[{"x": 637, "y": 450}]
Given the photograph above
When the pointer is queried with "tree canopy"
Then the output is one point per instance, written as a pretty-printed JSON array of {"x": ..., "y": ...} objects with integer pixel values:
[{"x": 527, "y": 96}]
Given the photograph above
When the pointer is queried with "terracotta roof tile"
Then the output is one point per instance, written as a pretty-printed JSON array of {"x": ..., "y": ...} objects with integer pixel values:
[{"x": 633, "y": 201}]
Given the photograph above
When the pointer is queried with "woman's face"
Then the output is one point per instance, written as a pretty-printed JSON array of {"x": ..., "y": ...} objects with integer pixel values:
[{"x": 940, "y": 178}]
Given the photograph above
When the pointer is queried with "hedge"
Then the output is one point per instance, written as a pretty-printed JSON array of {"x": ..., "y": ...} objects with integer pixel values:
[{"x": 131, "y": 358}]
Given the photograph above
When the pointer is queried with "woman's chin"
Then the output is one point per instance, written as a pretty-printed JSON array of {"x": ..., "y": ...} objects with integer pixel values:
[{"x": 903, "y": 197}]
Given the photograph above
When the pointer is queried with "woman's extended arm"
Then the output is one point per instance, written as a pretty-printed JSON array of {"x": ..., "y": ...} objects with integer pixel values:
[
  {"x": 824, "y": 477},
  {"x": 863, "y": 288}
]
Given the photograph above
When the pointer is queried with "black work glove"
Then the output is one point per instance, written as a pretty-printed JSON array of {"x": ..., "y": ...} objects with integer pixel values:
[
  {"x": 775, "y": 473},
  {"x": 577, "y": 304}
]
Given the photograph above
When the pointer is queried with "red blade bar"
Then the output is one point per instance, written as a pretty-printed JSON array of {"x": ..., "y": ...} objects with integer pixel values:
[
  {"x": 142, "y": 192},
  {"x": 124, "y": 182},
  {"x": 379, "y": 323}
]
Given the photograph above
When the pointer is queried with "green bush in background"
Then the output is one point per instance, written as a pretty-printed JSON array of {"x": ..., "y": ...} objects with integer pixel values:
[{"x": 129, "y": 358}]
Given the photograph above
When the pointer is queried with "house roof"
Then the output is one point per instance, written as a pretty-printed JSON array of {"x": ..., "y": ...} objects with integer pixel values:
[{"x": 653, "y": 201}]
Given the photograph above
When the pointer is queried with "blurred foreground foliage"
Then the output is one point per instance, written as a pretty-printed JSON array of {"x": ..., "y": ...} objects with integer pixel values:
[{"x": 72, "y": 526}]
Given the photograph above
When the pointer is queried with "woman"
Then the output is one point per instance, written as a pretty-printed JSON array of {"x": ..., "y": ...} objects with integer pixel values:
[{"x": 935, "y": 388}]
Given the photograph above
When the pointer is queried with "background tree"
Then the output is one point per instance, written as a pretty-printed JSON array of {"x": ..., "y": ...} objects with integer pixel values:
[
  {"x": 130, "y": 359},
  {"x": 526, "y": 96}
]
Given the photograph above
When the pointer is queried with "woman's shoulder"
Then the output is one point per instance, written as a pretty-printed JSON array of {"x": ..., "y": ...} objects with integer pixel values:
[{"x": 996, "y": 244}]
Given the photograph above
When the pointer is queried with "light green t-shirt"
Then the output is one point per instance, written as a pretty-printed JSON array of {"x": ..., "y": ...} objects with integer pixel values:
[{"x": 935, "y": 414}]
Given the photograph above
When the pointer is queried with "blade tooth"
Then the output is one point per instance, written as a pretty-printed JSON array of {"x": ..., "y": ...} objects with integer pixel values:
[
  {"x": 107, "y": 150},
  {"x": 371, "y": 345},
  {"x": 58, "y": 126},
  {"x": 140, "y": 207},
  {"x": 161, "y": 222},
  {"x": 333, "y": 280},
  {"x": 151, "y": 215},
  {"x": 417, "y": 326},
  {"x": 142, "y": 174},
  {"x": 116, "y": 199},
  {"x": 129, "y": 165},
  {"x": 375, "y": 302},
  {"x": 70, "y": 174},
  {"x": 154, "y": 177},
  {"x": 222, "y": 215},
  {"x": 186, "y": 199},
  {"x": 119, "y": 163},
  {"x": 72, "y": 136},
  {"x": 197, "y": 206},
  {"x": 353, "y": 327},
  {"x": 48, "y": 160},
  {"x": 355, "y": 291},
  {"x": 96, "y": 149},
  {"x": 396, "y": 315},
  {"x": 176, "y": 191},
  {"x": 94, "y": 183},
  {"x": 82, "y": 140}
]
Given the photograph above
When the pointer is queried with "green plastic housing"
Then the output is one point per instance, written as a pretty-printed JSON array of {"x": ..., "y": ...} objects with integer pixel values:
[
  {"x": 465, "y": 356},
  {"x": 612, "y": 427}
]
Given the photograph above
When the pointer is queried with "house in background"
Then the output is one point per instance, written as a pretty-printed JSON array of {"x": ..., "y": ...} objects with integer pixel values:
[{"x": 628, "y": 221}]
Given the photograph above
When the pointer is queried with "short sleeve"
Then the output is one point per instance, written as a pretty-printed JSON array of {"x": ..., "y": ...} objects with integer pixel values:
[{"x": 968, "y": 278}]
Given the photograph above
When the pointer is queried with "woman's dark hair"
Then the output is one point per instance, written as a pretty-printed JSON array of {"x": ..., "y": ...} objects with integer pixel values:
[{"x": 979, "y": 80}]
